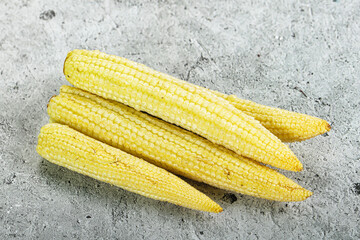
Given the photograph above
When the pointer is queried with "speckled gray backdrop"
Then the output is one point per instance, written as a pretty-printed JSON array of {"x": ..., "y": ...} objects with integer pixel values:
[{"x": 299, "y": 55}]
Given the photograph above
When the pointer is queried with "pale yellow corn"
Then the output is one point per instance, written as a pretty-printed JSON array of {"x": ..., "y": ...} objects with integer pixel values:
[
  {"x": 169, "y": 147},
  {"x": 286, "y": 125},
  {"x": 177, "y": 102},
  {"x": 68, "y": 148}
]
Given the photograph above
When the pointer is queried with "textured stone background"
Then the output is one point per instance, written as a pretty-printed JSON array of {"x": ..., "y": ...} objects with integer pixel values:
[{"x": 299, "y": 55}]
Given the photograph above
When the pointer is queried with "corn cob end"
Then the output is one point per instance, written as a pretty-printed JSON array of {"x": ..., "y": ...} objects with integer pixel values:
[
  {"x": 302, "y": 194},
  {"x": 50, "y": 100},
  {"x": 315, "y": 125},
  {"x": 290, "y": 163},
  {"x": 67, "y": 57},
  {"x": 217, "y": 209},
  {"x": 308, "y": 193},
  {"x": 321, "y": 126},
  {"x": 298, "y": 167},
  {"x": 327, "y": 126}
]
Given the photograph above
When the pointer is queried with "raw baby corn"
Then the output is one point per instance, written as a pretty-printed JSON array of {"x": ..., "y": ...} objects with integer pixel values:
[
  {"x": 286, "y": 125},
  {"x": 178, "y": 102},
  {"x": 71, "y": 149}
]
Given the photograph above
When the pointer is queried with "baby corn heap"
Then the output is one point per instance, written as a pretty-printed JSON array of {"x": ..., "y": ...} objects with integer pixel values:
[
  {"x": 71, "y": 149},
  {"x": 137, "y": 140},
  {"x": 168, "y": 146},
  {"x": 178, "y": 102}
]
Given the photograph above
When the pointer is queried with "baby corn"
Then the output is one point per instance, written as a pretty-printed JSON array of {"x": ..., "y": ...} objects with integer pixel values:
[
  {"x": 286, "y": 125},
  {"x": 68, "y": 148},
  {"x": 168, "y": 146},
  {"x": 178, "y": 102}
]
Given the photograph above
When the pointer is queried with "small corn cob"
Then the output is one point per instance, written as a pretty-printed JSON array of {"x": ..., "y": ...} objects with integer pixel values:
[
  {"x": 68, "y": 148},
  {"x": 168, "y": 146},
  {"x": 286, "y": 125},
  {"x": 178, "y": 102}
]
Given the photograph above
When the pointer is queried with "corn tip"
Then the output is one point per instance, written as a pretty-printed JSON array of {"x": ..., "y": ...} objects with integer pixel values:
[
  {"x": 218, "y": 209},
  {"x": 67, "y": 57},
  {"x": 66, "y": 87},
  {"x": 62, "y": 88},
  {"x": 299, "y": 167},
  {"x": 300, "y": 194},
  {"x": 295, "y": 164},
  {"x": 304, "y": 193},
  {"x": 47, "y": 105},
  {"x": 308, "y": 193},
  {"x": 327, "y": 126}
]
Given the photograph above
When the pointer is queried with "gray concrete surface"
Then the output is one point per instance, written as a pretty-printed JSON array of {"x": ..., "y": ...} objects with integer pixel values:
[{"x": 299, "y": 55}]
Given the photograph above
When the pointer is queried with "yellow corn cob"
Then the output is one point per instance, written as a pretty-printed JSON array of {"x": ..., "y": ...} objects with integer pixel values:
[
  {"x": 178, "y": 102},
  {"x": 68, "y": 148},
  {"x": 169, "y": 147},
  {"x": 286, "y": 125}
]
